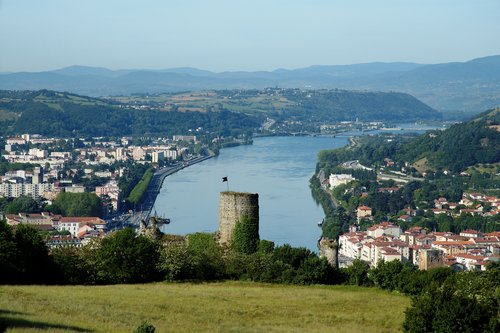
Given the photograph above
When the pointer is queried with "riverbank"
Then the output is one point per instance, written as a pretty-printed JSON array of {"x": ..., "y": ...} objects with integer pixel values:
[{"x": 155, "y": 185}]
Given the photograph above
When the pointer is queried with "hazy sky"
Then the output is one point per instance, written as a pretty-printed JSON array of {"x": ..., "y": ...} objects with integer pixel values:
[{"x": 228, "y": 35}]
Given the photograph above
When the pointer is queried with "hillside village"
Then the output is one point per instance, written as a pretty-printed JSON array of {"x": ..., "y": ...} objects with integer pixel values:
[
  {"x": 389, "y": 219},
  {"x": 468, "y": 250}
]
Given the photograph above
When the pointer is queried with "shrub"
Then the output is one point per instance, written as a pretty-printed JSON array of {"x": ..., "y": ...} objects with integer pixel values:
[
  {"x": 466, "y": 302},
  {"x": 124, "y": 257},
  {"x": 206, "y": 257},
  {"x": 145, "y": 327},
  {"x": 358, "y": 273}
]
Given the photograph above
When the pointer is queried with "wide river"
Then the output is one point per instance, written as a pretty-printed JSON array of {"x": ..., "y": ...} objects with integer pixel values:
[{"x": 277, "y": 168}]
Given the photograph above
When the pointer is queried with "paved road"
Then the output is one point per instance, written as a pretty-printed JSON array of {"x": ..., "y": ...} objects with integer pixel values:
[
  {"x": 401, "y": 179},
  {"x": 269, "y": 122},
  {"x": 354, "y": 165}
]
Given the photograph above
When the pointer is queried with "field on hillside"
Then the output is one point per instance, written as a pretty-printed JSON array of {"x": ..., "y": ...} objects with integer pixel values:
[
  {"x": 214, "y": 307},
  {"x": 201, "y": 101}
]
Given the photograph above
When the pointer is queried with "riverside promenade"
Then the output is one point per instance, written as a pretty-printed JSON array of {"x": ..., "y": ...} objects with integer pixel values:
[{"x": 143, "y": 211}]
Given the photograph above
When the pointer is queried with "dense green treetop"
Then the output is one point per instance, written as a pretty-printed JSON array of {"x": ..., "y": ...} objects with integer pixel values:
[
  {"x": 64, "y": 115},
  {"x": 77, "y": 204},
  {"x": 22, "y": 204}
]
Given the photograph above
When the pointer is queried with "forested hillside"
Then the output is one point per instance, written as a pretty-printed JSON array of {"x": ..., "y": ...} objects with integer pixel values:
[
  {"x": 61, "y": 114},
  {"x": 308, "y": 106},
  {"x": 342, "y": 105},
  {"x": 460, "y": 146},
  {"x": 454, "y": 149},
  {"x": 225, "y": 112}
]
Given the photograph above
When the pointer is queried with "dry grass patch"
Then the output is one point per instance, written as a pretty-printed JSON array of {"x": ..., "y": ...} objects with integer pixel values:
[
  {"x": 421, "y": 165},
  {"x": 214, "y": 307}
]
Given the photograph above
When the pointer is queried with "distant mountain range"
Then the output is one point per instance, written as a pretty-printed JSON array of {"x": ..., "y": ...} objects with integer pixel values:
[{"x": 471, "y": 86}]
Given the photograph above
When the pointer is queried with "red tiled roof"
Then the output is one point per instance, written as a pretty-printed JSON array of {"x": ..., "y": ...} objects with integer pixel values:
[
  {"x": 440, "y": 233},
  {"x": 453, "y": 243},
  {"x": 383, "y": 225},
  {"x": 389, "y": 250},
  {"x": 469, "y": 256},
  {"x": 486, "y": 240},
  {"x": 90, "y": 219},
  {"x": 422, "y": 236}
]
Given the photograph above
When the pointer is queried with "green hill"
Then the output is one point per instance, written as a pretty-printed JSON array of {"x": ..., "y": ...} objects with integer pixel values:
[
  {"x": 213, "y": 307},
  {"x": 318, "y": 106},
  {"x": 341, "y": 105},
  {"x": 63, "y": 114},
  {"x": 455, "y": 149},
  {"x": 224, "y": 112},
  {"x": 458, "y": 147}
]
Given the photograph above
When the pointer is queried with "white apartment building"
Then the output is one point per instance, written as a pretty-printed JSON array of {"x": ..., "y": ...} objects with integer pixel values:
[
  {"x": 73, "y": 224},
  {"x": 60, "y": 154},
  {"x": 38, "y": 153},
  {"x": 74, "y": 189},
  {"x": 171, "y": 154},
  {"x": 35, "y": 191},
  {"x": 339, "y": 179},
  {"x": 380, "y": 242},
  {"x": 184, "y": 138},
  {"x": 70, "y": 226},
  {"x": 120, "y": 154},
  {"x": 157, "y": 156},
  {"x": 103, "y": 174},
  {"x": 15, "y": 140},
  {"x": 384, "y": 228}
]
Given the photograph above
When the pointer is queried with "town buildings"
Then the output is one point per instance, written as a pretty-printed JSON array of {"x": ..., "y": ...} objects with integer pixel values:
[
  {"x": 92, "y": 159},
  {"x": 471, "y": 250},
  {"x": 54, "y": 165},
  {"x": 62, "y": 231}
]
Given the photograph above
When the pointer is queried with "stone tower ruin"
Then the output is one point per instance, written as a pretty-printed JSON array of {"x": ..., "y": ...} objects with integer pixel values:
[
  {"x": 328, "y": 248},
  {"x": 233, "y": 206}
]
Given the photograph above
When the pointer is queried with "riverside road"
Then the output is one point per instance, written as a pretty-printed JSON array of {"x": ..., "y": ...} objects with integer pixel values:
[{"x": 143, "y": 211}]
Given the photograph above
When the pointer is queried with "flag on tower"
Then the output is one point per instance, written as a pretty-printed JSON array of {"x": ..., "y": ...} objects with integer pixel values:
[{"x": 224, "y": 179}]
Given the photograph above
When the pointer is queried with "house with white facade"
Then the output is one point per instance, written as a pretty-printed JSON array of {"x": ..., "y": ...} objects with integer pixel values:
[
  {"x": 384, "y": 228},
  {"x": 339, "y": 179}
]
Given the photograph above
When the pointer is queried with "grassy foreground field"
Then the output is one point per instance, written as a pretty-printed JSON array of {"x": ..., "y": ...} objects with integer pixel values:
[{"x": 214, "y": 307}]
